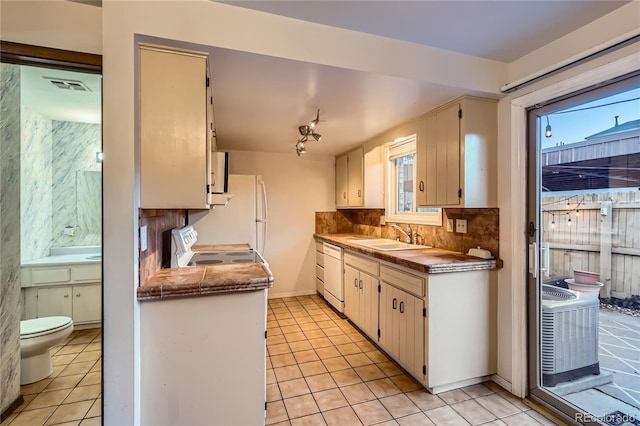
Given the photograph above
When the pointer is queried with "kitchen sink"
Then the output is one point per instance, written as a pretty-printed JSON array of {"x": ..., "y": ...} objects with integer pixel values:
[{"x": 384, "y": 244}]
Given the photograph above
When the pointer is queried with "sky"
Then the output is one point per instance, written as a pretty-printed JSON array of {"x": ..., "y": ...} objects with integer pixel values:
[{"x": 572, "y": 127}]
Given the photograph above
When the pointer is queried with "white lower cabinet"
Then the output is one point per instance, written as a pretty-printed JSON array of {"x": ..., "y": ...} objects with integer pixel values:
[
  {"x": 402, "y": 325},
  {"x": 361, "y": 300},
  {"x": 441, "y": 328},
  {"x": 83, "y": 303}
]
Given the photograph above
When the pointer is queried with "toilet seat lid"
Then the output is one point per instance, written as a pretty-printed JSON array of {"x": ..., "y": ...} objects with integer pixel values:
[{"x": 41, "y": 325}]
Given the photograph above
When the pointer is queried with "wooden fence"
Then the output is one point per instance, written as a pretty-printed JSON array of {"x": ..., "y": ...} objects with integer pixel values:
[{"x": 595, "y": 232}]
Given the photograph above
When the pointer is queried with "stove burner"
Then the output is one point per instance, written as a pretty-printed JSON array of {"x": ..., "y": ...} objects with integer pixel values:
[{"x": 206, "y": 262}]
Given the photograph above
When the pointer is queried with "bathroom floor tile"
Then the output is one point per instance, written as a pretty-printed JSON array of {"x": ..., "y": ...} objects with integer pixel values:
[
  {"x": 33, "y": 417},
  {"x": 91, "y": 379},
  {"x": 69, "y": 412},
  {"x": 65, "y": 382},
  {"x": 84, "y": 393},
  {"x": 48, "y": 399}
]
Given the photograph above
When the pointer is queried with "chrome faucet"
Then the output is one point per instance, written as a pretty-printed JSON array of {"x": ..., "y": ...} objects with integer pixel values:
[{"x": 407, "y": 234}]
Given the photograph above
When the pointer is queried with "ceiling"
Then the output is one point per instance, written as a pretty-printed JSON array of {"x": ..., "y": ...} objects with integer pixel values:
[{"x": 260, "y": 100}]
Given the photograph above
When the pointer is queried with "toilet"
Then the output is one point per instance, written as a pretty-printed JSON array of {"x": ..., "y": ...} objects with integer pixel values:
[{"x": 37, "y": 336}]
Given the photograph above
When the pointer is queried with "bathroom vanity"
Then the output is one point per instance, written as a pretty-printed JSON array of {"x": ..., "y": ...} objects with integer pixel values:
[{"x": 68, "y": 282}]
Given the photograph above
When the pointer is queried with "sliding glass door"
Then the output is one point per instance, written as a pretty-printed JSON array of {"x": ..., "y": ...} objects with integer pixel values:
[{"x": 584, "y": 253}]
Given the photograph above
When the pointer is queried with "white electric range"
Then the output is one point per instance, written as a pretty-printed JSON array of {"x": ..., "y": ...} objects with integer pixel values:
[{"x": 182, "y": 239}]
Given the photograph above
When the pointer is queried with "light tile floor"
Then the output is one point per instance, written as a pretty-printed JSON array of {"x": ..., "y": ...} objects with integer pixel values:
[
  {"x": 72, "y": 395},
  {"x": 322, "y": 371}
]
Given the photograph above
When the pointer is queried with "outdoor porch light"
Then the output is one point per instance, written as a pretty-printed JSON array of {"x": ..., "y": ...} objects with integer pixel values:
[{"x": 547, "y": 131}]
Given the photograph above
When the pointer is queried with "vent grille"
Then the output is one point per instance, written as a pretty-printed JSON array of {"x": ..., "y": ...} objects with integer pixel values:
[
  {"x": 569, "y": 337},
  {"x": 66, "y": 84}
]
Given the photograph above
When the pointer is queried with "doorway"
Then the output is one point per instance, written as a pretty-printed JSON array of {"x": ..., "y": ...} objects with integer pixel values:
[
  {"x": 52, "y": 129},
  {"x": 584, "y": 243}
]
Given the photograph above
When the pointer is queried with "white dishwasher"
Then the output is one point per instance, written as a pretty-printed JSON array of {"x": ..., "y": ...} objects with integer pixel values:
[{"x": 333, "y": 288}]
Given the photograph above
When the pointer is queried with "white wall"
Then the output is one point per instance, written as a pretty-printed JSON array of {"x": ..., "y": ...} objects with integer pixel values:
[
  {"x": 297, "y": 187},
  {"x": 56, "y": 24}
]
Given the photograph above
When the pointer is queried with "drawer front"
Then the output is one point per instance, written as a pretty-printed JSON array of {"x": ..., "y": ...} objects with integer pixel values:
[
  {"x": 369, "y": 266},
  {"x": 320, "y": 259},
  {"x": 410, "y": 283},
  {"x": 333, "y": 251},
  {"x": 50, "y": 275},
  {"x": 320, "y": 272},
  {"x": 319, "y": 286},
  {"x": 86, "y": 273},
  {"x": 320, "y": 246}
]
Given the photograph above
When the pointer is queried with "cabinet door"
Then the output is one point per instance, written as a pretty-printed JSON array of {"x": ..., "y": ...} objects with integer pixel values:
[
  {"x": 87, "y": 303},
  {"x": 355, "y": 178},
  {"x": 421, "y": 163},
  {"x": 341, "y": 181},
  {"x": 369, "y": 305},
  {"x": 410, "y": 327},
  {"x": 173, "y": 129},
  {"x": 351, "y": 293},
  {"x": 388, "y": 305},
  {"x": 55, "y": 301},
  {"x": 448, "y": 156},
  {"x": 431, "y": 160}
]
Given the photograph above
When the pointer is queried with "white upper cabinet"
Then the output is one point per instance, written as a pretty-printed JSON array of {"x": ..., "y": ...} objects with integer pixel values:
[
  {"x": 456, "y": 152},
  {"x": 176, "y": 128},
  {"x": 374, "y": 178},
  {"x": 350, "y": 179}
]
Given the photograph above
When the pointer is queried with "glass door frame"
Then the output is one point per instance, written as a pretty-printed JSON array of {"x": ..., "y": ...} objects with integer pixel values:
[{"x": 534, "y": 121}]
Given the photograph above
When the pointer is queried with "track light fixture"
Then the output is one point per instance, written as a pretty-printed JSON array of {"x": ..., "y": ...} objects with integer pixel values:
[
  {"x": 547, "y": 131},
  {"x": 307, "y": 130}
]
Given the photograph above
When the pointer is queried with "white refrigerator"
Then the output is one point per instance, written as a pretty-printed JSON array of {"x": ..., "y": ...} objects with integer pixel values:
[{"x": 242, "y": 220}]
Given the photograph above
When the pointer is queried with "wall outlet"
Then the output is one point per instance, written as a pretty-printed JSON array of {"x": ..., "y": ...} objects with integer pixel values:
[
  {"x": 461, "y": 226},
  {"x": 70, "y": 231},
  {"x": 143, "y": 238},
  {"x": 449, "y": 225}
]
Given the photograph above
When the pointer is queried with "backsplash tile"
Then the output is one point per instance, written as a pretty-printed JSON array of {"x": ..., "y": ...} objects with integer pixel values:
[
  {"x": 159, "y": 223},
  {"x": 482, "y": 228}
]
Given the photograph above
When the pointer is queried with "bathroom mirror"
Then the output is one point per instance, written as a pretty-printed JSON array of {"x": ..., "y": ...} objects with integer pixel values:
[{"x": 88, "y": 199}]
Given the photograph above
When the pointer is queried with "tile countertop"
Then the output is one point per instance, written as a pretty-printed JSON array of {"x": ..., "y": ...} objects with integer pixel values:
[
  {"x": 207, "y": 280},
  {"x": 430, "y": 261}
]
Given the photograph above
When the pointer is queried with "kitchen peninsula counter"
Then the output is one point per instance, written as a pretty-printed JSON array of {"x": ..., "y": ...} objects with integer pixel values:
[
  {"x": 430, "y": 261},
  {"x": 207, "y": 280}
]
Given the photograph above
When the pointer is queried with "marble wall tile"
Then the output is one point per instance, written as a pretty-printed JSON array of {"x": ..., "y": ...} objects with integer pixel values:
[
  {"x": 10, "y": 298},
  {"x": 74, "y": 148},
  {"x": 35, "y": 184},
  {"x": 482, "y": 228},
  {"x": 159, "y": 223}
]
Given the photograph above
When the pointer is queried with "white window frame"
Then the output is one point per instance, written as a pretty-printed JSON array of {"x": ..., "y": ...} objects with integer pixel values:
[{"x": 399, "y": 148}]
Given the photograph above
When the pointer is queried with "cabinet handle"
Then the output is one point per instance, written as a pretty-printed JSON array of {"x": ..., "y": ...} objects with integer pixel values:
[
  {"x": 359, "y": 193},
  {"x": 77, "y": 294},
  {"x": 355, "y": 283},
  {"x": 394, "y": 303},
  {"x": 344, "y": 195},
  {"x": 66, "y": 296},
  {"x": 402, "y": 307},
  {"x": 421, "y": 186},
  {"x": 360, "y": 285}
]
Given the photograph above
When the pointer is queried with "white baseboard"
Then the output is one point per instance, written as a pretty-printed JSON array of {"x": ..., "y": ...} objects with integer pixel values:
[
  {"x": 502, "y": 382},
  {"x": 293, "y": 294}
]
